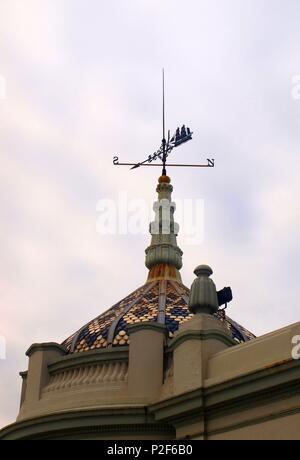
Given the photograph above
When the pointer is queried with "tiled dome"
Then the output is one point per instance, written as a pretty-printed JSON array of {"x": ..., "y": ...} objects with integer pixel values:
[{"x": 162, "y": 301}]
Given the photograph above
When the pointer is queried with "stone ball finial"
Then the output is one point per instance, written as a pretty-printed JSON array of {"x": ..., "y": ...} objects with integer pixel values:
[
  {"x": 203, "y": 270},
  {"x": 203, "y": 294},
  {"x": 164, "y": 179}
]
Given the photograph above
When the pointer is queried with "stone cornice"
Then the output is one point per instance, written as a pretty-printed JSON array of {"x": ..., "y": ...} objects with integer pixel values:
[
  {"x": 23, "y": 374},
  {"x": 209, "y": 334},
  {"x": 255, "y": 421},
  {"x": 46, "y": 346},
  {"x": 89, "y": 358},
  {"x": 257, "y": 388},
  {"x": 147, "y": 325},
  {"x": 126, "y": 420}
]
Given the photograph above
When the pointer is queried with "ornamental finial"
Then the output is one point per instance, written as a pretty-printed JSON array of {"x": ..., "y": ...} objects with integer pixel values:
[
  {"x": 163, "y": 256},
  {"x": 203, "y": 295}
]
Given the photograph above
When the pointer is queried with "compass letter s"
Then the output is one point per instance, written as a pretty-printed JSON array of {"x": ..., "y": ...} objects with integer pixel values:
[{"x": 115, "y": 160}]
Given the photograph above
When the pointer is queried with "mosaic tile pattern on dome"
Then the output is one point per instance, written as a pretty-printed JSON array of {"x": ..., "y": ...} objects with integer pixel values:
[
  {"x": 94, "y": 334},
  {"x": 111, "y": 327},
  {"x": 238, "y": 332},
  {"x": 145, "y": 309},
  {"x": 177, "y": 311}
]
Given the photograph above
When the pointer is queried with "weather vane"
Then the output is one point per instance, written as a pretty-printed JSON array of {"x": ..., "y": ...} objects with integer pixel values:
[{"x": 181, "y": 136}]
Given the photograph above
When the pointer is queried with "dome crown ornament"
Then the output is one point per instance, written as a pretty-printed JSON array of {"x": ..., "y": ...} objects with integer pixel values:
[{"x": 163, "y": 256}]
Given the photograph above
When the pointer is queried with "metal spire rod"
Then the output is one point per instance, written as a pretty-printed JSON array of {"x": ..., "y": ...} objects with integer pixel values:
[
  {"x": 164, "y": 172},
  {"x": 181, "y": 136},
  {"x": 164, "y": 126}
]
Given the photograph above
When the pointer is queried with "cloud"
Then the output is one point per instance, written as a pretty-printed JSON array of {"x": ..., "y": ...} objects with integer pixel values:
[
  {"x": 37, "y": 31},
  {"x": 84, "y": 84}
]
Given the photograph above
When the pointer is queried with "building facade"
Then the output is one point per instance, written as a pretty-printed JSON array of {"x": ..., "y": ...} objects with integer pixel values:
[{"x": 164, "y": 363}]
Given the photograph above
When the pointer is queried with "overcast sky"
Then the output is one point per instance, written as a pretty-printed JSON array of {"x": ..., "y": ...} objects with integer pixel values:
[{"x": 80, "y": 81}]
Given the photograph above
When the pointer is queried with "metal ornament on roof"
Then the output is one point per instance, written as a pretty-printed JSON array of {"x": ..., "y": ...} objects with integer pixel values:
[{"x": 181, "y": 135}]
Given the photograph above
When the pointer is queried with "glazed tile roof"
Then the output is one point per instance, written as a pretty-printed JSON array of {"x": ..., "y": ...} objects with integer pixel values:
[{"x": 161, "y": 301}]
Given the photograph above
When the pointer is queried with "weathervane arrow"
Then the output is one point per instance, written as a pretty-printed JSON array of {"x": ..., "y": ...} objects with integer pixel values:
[{"x": 180, "y": 137}]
